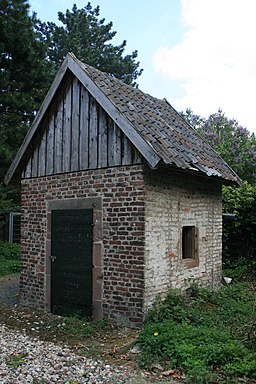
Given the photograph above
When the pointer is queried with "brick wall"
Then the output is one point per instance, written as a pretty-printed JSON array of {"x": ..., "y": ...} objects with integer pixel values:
[
  {"x": 121, "y": 191},
  {"x": 137, "y": 239},
  {"x": 173, "y": 201}
]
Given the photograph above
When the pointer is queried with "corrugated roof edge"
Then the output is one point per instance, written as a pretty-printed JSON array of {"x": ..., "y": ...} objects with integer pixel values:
[{"x": 237, "y": 179}]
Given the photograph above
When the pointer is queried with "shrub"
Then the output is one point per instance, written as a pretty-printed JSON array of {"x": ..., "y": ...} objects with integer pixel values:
[
  {"x": 9, "y": 258},
  {"x": 9, "y": 251},
  {"x": 239, "y": 236}
]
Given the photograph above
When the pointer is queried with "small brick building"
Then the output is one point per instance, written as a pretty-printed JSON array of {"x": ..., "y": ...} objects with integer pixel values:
[{"x": 121, "y": 200}]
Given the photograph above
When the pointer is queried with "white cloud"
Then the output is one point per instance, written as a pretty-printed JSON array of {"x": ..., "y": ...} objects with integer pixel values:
[{"x": 215, "y": 62}]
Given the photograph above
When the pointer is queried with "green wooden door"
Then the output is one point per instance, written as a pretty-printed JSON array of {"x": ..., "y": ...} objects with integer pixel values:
[{"x": 71, "y": 262}]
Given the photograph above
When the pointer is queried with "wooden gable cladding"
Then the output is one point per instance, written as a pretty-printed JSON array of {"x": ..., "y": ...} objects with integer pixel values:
[{"x": 77, "y": 134}]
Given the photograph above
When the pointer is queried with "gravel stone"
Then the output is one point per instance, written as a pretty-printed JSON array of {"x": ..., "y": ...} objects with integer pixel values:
[{"x": 28, "y": 360}]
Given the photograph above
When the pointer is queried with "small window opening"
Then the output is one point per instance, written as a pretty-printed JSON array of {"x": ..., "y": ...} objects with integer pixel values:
[{"x": 189, "y": 242}]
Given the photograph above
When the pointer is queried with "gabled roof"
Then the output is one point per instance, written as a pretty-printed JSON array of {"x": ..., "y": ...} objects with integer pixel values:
[{"x": 154, "y": 127}]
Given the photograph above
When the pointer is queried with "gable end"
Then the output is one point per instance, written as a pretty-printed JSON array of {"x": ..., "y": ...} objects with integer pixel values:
[{"x": 77, "y": 134}]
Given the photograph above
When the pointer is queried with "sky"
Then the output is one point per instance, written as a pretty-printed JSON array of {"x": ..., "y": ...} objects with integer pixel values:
[{"x": 198, "y": 54}]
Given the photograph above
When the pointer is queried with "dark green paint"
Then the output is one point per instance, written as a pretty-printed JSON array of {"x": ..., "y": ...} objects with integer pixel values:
[{"x": 71, "y": 265}]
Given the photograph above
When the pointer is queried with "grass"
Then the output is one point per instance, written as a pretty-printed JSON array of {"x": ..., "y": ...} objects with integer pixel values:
[
  {"x": 9, "y": 258},
  {"x": 209, "y": 335},
  {"x": 73, "y": 326}
]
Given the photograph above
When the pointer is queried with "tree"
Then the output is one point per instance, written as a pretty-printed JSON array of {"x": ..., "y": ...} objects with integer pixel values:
[
  {"x": 234, "y": 143},
  {"x": 24, "y": 76},
  {"x": 87, "y": 36},
  {"x": 237, "y": 146}
]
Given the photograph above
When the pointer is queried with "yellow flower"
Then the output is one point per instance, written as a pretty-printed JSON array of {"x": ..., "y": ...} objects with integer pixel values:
[{"x": 156, "y": 334}]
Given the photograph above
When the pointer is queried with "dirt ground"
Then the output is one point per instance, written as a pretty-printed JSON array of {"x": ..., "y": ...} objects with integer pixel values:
[{"x": 112, "y": 344}]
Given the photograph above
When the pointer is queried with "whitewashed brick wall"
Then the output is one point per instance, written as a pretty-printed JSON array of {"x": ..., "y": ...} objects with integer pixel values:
[{"x": 172, "y": 202}]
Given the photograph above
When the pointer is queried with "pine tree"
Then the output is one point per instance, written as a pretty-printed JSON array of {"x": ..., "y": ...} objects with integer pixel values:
[
  {"x": 87, "y": 36},
  {"x": 24, "y": 76}
]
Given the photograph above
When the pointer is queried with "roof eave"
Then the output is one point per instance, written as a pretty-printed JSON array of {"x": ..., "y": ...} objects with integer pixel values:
[{"x": 201, "y": 173}]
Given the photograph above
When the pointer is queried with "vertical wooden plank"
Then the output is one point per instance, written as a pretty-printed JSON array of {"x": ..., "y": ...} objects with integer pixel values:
[
  {"x": 66, "y": 130},
  {"x": 126, "y": 151},
  {"x": 58, "y": 138},
  {"x": 136, "y": 156},
  {"x": 114, "y": 144},
  {"x": 93, "y": 134},
  {"x": 110, "y": 142},
  {"x": 84, "y": 129},
  {"x": 34, "y": 161},
  {"x": 28, "y": 169},
  {"x": 75, "y": 125},
  {"x": 117, "y": 147},
  {"x": 103, "y": 139},
  {"x": 42, "y": 155},
  {"x": 50, "y": 147}
]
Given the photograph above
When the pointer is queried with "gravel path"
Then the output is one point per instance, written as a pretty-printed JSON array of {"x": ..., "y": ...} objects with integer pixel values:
[
  {"x": 27, "y": 360},
  {"x": 9, "y": 289}
]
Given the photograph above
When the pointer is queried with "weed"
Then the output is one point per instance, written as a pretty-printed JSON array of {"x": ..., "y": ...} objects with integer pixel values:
[
  {"x": 203, "y": 332},
  {"x": 38, "y": 380},
  {"x": 172, "y": 307},
  {"x": 15, "y": 361}
]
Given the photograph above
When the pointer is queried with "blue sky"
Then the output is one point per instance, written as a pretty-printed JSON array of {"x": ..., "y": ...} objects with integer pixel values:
[{"x": 198, "y": 54}]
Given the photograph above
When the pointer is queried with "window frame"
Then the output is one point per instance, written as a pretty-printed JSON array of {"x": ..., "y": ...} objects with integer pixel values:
[{"x": 189, "y": 246}]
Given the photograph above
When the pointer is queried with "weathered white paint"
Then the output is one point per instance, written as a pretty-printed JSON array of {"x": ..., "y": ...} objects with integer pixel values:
[{"x": 171, "y": 203}]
